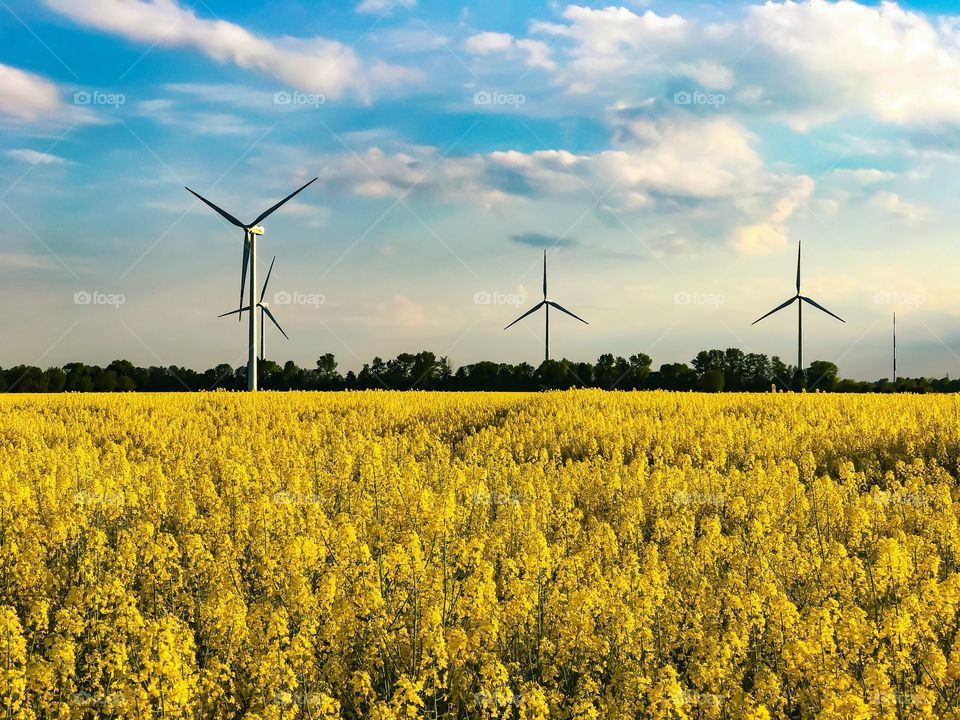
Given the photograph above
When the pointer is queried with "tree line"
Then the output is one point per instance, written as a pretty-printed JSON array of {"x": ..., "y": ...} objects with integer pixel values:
[{"x": 729, "y": 370}]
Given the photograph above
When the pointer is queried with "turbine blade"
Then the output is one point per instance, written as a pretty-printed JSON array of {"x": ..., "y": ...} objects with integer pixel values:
[
  {"x": 274, "y": 320},
  {"x": 799, "y": 245},
  {"x": 821, "y": 307},
  {"x": 246, "y": 261},
  {"x": 528, "y": 312},
  {"x": 563, "y": 309},
  {"x": 223, "y": 213},
  {"x": 544, "y": 274},
  {"x": 264, "y": 291},
  {"x": 776, "y": 309},
  {"x": 263, "y": 215},
  {"x": 234, "y": 312}
]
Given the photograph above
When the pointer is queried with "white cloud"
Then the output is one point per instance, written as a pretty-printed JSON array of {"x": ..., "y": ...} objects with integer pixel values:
[
  {"x": 223, "y": 93},
  {"x": 488, "y": 42},
  {"x": 16, "y": 261},
  {"x": 806, "y": 63},
  {"x": 895, "y": 205},
  {"x": 706, "y": 167},
  {"x": 826, "y": 207},
  {"x": 758, "y": 239},
  {"x": 864, "y": 176},
  {"x": 686, "y": 157},
  {"x": 709, "y": 74},
  {"x": 167, "y": 112},
  {"x": 314, "y": 65},
  {"x": 382, "y": 6},
  {"x": 409, "y": 38},
  {"x": 883, "y": 61},
  {"x": 535, "y": 53},
  {"x": 33, "y": 157},
  {"x": 770, "y": 232},
  {"x": 408, "y": 314},
  {"x": 27, "y": 96},
  {"x": 610, "y": 43}
]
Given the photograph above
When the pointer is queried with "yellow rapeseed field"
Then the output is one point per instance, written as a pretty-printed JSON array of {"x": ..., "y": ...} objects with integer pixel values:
[{"x": 564, "y": 555}]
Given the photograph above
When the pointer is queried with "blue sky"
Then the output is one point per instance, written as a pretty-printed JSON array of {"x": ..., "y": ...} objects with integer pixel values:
[{"x": 670, "y": 155}]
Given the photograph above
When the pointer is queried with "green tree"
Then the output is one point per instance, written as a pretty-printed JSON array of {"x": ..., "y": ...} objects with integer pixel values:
[
  {"x": 327, "y": 370},
  {"x": 712, "y": 381},
  {"x": 822, "y": 375},
  {"x": 553, "y": 375}
]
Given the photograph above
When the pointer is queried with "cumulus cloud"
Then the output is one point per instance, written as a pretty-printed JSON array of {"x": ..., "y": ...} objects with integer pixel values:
[
  {"x": 316, "y": 65},
  {"x": 27, "y": 96},
  {"x": 848, "y": 58},
  {"x": 806, "y": 63},
  {"x": 540, "y": 240},
  {"x": 706, "y": 167},
  {"x": 864, "y": 176},
  {"x": 895, "y": 205},
  {"x": 167, "y": 112},
  {"x": 383, "y": 6},
  {"x": 610, "y": 42},
  {"x": 709, "y": 74},
  {"x": 408, "y": 314},
  {"x": 535, "y": 53},
  {"x": 488, "y": 42},
  {"x": 17, "y": 261},
  {"x": 34, "y": 157}
]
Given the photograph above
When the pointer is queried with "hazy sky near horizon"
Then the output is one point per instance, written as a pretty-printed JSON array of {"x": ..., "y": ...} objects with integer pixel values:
[{"x": 669, "y": 155}]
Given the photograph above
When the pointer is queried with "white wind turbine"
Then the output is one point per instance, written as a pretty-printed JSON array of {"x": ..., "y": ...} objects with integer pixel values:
[
  {"x": 250, "y": 233},
  {"x": 264, "y": 310}
]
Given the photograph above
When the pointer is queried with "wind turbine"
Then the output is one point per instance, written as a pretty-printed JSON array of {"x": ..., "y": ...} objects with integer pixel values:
[
  {"x": 264, "y": 310},
  {"x": 250, "y": 233},
  {"x": 546, "y": 305},
  {"x": 799, "y": 299}
]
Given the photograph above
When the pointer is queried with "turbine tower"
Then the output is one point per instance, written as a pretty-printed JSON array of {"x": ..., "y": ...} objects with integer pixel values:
[
  {"x": 546, "y": 305},
  {"x": 894, "y": 348},
  {"x": 799, "y": 299},
  {"x": 250, "y": 233},
  {"x": 264, "y": 310}
]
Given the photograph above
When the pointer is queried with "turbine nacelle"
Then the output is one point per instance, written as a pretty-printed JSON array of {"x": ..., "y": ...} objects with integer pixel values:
[{"x": 255, "y": 230}]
